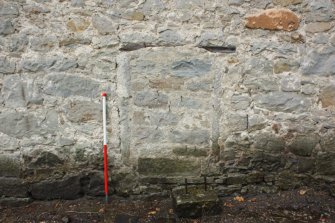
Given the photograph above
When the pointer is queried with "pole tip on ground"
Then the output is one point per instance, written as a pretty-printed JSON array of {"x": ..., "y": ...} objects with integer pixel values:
[{"x": 103, "y": 94}]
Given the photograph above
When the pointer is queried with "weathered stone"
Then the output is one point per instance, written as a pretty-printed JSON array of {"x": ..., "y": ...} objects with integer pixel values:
[
  {"x": 139, "y": 16},
  {"x": 13, "y": 187},
  {"x": 35, "y": 8},
  {"x": 8, "y": 10},
  {"x": 283, "y": 101},
  {"x": 327, "y": 96},
  {"x": 164, "y": 119},
  {"x": 9, "y": 166},
  {"x": 274, "y": 19},
  {"x": 235, "y": 2},
  {"x": 286, "y": 2},
  {"x": 77, "y": 24},
  {"x": 103, "y": 24},
  {"x": 256, "y": 122},
  {"x": 150, "y": 99},
  {"x": 8, "y": 143},
  {"x": 191, "y": 103},
  {"x": 325, "y": 164},
  {"x": 234, "y": 179},
  {"x": 136, "y": 40},
  {"x": 7, "y": 66},
  {"x": 167, "y": 167},
  {"x": 287, "y": 181},
  {"x": 66, "y": 188},
  {"x": 14, "y": 202},
  {"x": 147, "y": 134},
  {"x": 269, "y": 143},
  {"x": 316, "y": 5},
  {"x": 18, "y": 124},
  {"x": 67, "y": 85},
  {"x": 42, "y": 159},
  {"x": 192, "y": 137},
  {"x": 290, "y": 84},
  {"x": 317, "y": 27},
  {"x": 309, "y": 89},
  {"x": 166, "y": 83},
  {"x": 43, "y": 44},
  {"x": 76, "y": 40},
  {"x": 52, "y": 63},
  {"x": 236, "y": 122},
  {"x": 78, "y": 3},
  {"x": 6, "y": 27},
  {"x": 321, "y": 62},
  {"x": 204, "y": 85},
  {"x": 305, "y": 165},
  {"x": 255, "y": 177},
  {"x": 169, "y": 38},
  {"x": 189, "y": 151},
  {"x": 240, "y": 102},
  {"x": 304, "y": 145},
  {"x": 81, "y": 111},
  {"x": 105, "y": 41},
  {"x": 191, "y": 68},
  {"x": 258, "y": 66},
  {"x": 195, "y": 202},
  {"x": 285, "y": 65}
]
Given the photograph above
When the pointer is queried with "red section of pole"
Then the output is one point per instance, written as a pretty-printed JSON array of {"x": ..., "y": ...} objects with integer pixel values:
[{"x": 106, "y": 170}]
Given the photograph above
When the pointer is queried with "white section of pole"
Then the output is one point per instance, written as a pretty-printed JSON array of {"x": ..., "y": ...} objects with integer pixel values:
[{"x": 104, "y": 120}]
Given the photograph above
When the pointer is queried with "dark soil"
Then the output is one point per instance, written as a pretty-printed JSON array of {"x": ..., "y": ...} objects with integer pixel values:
[{"x": 304, "y": 205}]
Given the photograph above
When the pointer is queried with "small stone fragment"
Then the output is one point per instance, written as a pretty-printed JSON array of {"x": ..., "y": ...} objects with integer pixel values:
[
  {"x": 274, "y": 19},
  {"x": 327, "y": 96},
  {"x": 317, "y": 27}
]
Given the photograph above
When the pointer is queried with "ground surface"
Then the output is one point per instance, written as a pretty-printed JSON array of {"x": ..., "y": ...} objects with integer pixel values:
[{"x": 302, "y": 205}]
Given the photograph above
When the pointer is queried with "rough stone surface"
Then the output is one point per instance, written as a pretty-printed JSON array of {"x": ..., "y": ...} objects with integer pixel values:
[
  {"x": 191, "y": 92},
  {"x": 274, "y": 19}
]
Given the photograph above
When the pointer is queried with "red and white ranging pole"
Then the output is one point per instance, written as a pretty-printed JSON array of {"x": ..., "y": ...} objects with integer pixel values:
[{"x": 104, "y": 120}]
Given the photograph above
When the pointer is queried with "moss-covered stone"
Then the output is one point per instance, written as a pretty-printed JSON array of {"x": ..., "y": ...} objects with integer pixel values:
[
  {"x": 165, "y": 166},
  {"x": 9, "y": 166},
  {"x": 304, "y": 145}
]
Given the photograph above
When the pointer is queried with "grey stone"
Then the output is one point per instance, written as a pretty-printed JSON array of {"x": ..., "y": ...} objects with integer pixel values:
[
  {"x": 191, "y": 68},
  {"x": 305, "y": 165},
  {"x": 269, "y": 143},
  {"x": 167, "y": 167},
  {"x": 259, "y": 66},
  {"x": 316, "y": 5},
  {"x": 290, "y": 84},
  {"x": 35, "y": 8},
  {"x": 7, "y": 66},
  {"x": 327, "y": 96},
  {"x": 283, "y": 101},
  {"x": 19, "y": 125},
  {"x": 206, "y": 86},
  {"x": 192, "y": 137},
  {"x": 325, "y": 163},
  {"x": 321, "y": 62},
  {"x": 78, "y": 3},
  {"x": 236, "y": 178},
  {"x": 64, "y": 85},
  {"x": 13, "y": 187},
  {"x": 304, "y": 145},
  {"x": 240, "y": 102},
  {"x": 14, "y": 202},
  {"x": 169, "y": 38},
  {"x": 9, "y": 10},
  {"x": 256, "y": 83},
  {"x": 153, "y": 6},
  {"x": 189, "y": 4},
  {"x": 43, "y": 44},
  {"x": 191, "y": 103},
  {"x": 6, "y": 27},
  {"x": 188, "y": 151},
  {"x": 256, "y": 122},
  {"x": 20, "y": 93},
  {"x": 8, "y": 143},
  {"x": 323, "y": 16},
  {"x": 285, "y": 65},
  {"x": 309, "y": 89},
  {"x": 38, "y": 64},
  {"x": 18, "y": 43},
  {"x": 82, "y": 111},
  {"x": 236, "y": 122},
  {"x": 150, "y": 99},
  {"x": 164, "y": 119},
  {"x": 318, "y": 27},
  {"x": 147, "y": 134},
  {"x": 287, "y": 2},
  {"x": 134, "y": 41},
  {"x": 288, "y": 181},
  {"x": 236, "y": 2},
  {"x": 66, "y": 188},
  {"x": 9, "y": 166},
  {"x": 103, "y": 24}
]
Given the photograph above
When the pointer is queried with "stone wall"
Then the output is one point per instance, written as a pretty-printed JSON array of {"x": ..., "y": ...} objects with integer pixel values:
[{"x": 239, "y": 91}]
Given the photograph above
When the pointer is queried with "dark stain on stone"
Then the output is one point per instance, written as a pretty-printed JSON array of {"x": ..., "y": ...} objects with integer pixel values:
[{"x": 220, "y": 49}]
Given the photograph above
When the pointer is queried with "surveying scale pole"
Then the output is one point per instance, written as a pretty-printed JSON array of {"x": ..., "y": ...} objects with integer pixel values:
[{"x": 104, "y": 95}]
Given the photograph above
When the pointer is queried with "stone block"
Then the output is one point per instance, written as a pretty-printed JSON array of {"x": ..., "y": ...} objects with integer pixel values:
[
  {"x": 150, "y": 99},
  {"x": 287, "y": 181},
  {"x": 325, "y": 164},
  {"x": 164, "y": 119},
  {"x": 64, "y": 85},
  {"x": 317, "y": 27},
  {"x": 304, "y": 145},
  {"x": 327, "y": 96},
  {"x": 189, "y": 151},
  {"x": 77, "y": 24},
  {"x": 42, "y": 159},
  {"x": 287, "y": 2},
  {"x": 13, "y": 187},
  {"x": 10, "y": 166},
  {"x": 236, "y": 122},
  {"x": 66, "y": 188},
  {"x": 43, "y": 44},
  {"x": 191, "y": 137},
  {"x": 285, "y": 65},
  {"x": 6, "y": 27},
  {"x": 9, "y": 10},
  {"x": 7, "y": 66},
  {"x": 191, "y": 68},
  {"x": 240, "y": 102},
  {"x": 103, "y": 24},
  {"x": 319, "y": 62},
  {"x": 166, "y": 83},
  {"x": 274, "y": 19},
  {"x": 269, "y": 143},
  {"x": 283, "y": 101},
  {"x": 83, "y": 111},
  {"x": 168, "y": 167}
]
